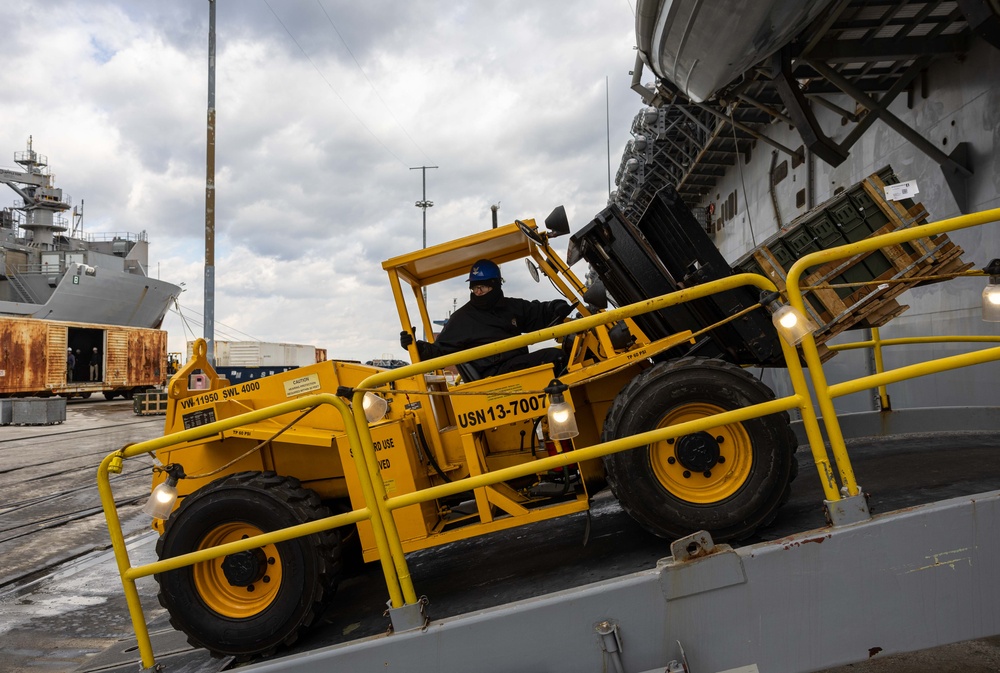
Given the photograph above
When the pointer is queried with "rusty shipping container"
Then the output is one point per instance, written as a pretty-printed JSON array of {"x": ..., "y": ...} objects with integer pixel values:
[{"x": 34, "y": 358}]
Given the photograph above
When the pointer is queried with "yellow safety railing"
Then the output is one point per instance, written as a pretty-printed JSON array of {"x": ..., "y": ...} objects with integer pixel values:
[
  {"x": 378, "y": 505},
  {"x": 112, "y": 465},
  {"x": 825, "y": 393},
  {"x": 877, "y": 343}
]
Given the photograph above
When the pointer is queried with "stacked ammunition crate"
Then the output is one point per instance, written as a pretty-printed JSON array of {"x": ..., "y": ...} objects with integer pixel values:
[
  {"x": 150, "y": 403},
  {"x": 859, "y": 291}
]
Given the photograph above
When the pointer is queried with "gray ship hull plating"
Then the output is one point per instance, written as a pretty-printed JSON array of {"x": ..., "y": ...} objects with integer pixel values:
[
  {"x": 107, "y": 299},
  {"x": 962, "y": 106}
]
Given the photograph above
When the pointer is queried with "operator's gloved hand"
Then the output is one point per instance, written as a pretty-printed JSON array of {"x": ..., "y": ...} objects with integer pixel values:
[
  {"x": 566, "y": 309},
  {"x": 422, "y": 350},
  {"x": 405, "y": 339}
]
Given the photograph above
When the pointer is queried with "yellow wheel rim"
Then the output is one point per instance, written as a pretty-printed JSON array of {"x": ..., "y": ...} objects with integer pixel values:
[
  {"x": 723, "y": 478},
  {"x": 229, "y": 600}
]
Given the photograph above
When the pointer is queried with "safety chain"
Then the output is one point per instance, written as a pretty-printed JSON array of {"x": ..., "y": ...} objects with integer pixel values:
[
  {"x": 445, "y": 393},
  {"x": 893, "y": 281},
  {"x": 249, "y": 451}
]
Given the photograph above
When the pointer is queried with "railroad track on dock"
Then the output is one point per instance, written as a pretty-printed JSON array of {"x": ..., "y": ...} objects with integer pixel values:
[
  {"x": 35, "y": 523},
  {"x": 50, "y": 511}
]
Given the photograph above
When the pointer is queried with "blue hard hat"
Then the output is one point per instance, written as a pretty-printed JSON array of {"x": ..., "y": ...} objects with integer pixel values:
[{"x": 484, "y": 270}]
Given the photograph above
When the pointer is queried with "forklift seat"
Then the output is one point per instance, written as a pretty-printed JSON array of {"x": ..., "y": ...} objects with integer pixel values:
[{"x": 468, "y": 372}]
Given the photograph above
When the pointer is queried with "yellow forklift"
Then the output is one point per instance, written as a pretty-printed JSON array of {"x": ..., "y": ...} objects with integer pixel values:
[{"x": 621, "y": 379}]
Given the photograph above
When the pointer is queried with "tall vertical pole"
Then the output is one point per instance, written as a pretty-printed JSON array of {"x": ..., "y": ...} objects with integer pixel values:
[
  {"x": 424, "y": 204},
  {"x": 607, "y": 120},
  {"x": 210, "y": 193}
]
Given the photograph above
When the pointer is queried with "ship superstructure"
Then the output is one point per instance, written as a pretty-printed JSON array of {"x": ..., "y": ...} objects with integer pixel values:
[{"x": 50, "y": 270}]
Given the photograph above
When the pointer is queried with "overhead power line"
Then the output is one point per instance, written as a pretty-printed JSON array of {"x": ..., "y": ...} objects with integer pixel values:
[
  {"x": 330, "y": 86},
  {"x": 228, "y": 331},
  {"x": 370, "y": 82}
]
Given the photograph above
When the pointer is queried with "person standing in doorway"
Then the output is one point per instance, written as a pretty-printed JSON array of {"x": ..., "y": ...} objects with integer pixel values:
[
  {"x": 70, "y": 365},
  {"x": 95, "y": 365}
]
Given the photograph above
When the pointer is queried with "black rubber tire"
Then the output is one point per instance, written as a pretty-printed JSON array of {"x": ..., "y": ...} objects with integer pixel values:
[
  {"x": 667, "y": 387},
  {"x": 309, "y": 566},
  {"x": 109, "y": 395}
]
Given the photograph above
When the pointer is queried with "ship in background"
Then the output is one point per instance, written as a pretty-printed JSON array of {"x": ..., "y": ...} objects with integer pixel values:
[
  {"x": 51, "y": 271},
  {"x": 759, "y": 113}
]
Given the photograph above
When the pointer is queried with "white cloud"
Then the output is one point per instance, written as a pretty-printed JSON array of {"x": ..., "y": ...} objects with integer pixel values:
[{"x": 313, "y": 156}]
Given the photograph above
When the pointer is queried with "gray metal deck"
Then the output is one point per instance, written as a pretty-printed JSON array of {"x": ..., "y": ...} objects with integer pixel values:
[{"x": 539, "y": 589}]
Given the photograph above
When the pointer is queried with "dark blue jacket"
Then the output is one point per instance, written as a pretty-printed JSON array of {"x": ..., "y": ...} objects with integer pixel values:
[{"x": 470, "y": 326}]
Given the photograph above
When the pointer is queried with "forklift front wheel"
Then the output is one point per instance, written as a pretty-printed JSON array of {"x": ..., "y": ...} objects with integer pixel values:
[
  {"x": 253, "y": 601},
  {"x": 728, "y": 480}
]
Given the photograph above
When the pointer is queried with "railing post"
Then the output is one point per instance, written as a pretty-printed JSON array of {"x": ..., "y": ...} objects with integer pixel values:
[
  {"x": 883, "y": 392},
  {"x": 128, "y": 574},
  {"x": 810, "y": 423},
  {"x": 123, "y": 562},
  {"x": 395, "y": 556}
]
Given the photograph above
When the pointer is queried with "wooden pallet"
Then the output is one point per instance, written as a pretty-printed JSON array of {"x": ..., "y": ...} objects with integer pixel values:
[{"x": 873, "y": 303}]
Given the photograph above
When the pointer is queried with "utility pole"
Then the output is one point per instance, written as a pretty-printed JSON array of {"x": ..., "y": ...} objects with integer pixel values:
[
  {"x": 424, "y": 204},
  {"x": 210, "y": 193},
  {"x": 607, "y": 121}
]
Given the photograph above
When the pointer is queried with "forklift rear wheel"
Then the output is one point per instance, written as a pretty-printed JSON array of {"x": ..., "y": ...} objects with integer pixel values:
[
  {"x": 254, "y": 601},
  {"x": 728, "y": 480}
]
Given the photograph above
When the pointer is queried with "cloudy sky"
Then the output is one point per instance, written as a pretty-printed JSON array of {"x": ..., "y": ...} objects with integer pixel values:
[{"x": 323, "y": 107}]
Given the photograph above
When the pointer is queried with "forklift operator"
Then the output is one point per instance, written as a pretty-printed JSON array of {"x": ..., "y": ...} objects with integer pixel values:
[{"x": 489, "y": 316}]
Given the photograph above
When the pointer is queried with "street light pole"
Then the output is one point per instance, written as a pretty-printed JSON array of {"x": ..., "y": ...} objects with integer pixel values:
[{"x": 424, "y": 204}]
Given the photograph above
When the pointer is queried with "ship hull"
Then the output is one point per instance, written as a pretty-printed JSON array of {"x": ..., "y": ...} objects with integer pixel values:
[
  {"x": 701, "y": 46},
  {"x": 52, "y": 271},
  {"x": 108, "y": 298}
]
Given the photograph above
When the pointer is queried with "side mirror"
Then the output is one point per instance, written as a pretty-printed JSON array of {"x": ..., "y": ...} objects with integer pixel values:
[
  {"x": 557, "y": 223},
  {"x": 529, "y": 233},
  {"x": 532, "y": 269}
]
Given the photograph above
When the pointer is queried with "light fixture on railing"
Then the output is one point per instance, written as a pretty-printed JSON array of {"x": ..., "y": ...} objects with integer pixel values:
[
  {"x": 562, "y": 420},
  {"x": 791, "y": 324},
  {"x": 375, "y": 407},
  {"x": 161, "y": 500},
  {"x": 991, "y": 293}
]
